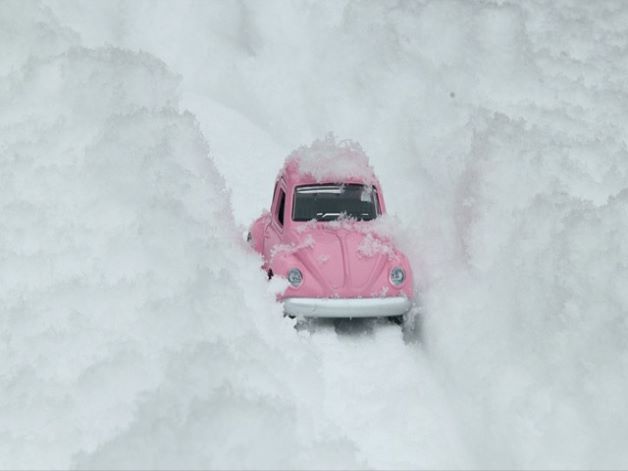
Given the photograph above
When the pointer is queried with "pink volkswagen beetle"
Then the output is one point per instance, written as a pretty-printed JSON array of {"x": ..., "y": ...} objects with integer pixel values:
[{"x": 321, "y": 234}]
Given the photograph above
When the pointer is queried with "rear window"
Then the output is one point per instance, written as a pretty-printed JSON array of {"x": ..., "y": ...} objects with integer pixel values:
[{"x": 329, "y": 202}]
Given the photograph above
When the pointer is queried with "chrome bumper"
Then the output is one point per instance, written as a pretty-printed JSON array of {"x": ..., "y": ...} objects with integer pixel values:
[{"x": 347, "y": 307}]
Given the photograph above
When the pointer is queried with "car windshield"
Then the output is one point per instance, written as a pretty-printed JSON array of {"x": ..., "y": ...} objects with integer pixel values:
[{"x": 329, "y": 202}]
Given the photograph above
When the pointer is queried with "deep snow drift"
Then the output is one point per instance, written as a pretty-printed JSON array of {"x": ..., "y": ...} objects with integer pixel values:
[{"x": 136, "y": 327}]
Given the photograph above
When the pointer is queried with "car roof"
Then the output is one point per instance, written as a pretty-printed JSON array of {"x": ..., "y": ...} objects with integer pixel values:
[{"x": 328, "y": 161}]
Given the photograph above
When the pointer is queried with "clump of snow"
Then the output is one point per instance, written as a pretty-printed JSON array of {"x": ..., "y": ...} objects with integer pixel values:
[
  {"x": 287, "y": 249},
  {"x": 307, "y": 226},
  {"x": 322, "y": 259},
  {"x": 329, "y": 160},
  {"x": 371, "y": 246},
  {"x": 382, "y": 293}
]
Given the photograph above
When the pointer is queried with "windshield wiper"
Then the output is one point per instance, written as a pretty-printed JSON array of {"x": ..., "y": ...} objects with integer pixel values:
[{"x": 327, "y": 216}]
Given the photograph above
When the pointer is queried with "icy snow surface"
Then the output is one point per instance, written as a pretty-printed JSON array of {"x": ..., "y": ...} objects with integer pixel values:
[{"x": 138, "y": 139}]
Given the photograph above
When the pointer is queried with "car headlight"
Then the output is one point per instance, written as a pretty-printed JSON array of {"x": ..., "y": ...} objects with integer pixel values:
[
  {"x": 397, "y": 276},
  {"x": 295, "y": 277}
]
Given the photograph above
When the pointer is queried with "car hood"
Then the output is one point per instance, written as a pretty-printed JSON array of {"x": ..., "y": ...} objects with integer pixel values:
[{"x": 346, "y": 261}]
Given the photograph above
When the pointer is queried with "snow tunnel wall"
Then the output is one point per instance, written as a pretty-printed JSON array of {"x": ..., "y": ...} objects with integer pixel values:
[{"x": 128, "y": 337}]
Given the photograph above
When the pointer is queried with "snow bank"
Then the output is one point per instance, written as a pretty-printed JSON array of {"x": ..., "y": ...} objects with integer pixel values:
[
  {"x": 136, "y": 329},
  {"x": 534, "y": 337}
]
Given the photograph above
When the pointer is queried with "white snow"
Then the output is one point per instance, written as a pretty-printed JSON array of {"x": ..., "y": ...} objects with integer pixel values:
[
  {"x": 328, "y": 160},
  {"x": 371, "y": 246},
  {"x": 138, "y": 139},
  {"x": 307, "y": 242}
]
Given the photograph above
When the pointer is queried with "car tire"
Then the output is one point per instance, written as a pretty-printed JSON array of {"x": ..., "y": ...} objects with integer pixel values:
[{"x": 396, "y": 319}]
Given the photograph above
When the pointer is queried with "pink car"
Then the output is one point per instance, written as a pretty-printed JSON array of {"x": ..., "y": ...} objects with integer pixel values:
[{"x": 321, "y": 234}]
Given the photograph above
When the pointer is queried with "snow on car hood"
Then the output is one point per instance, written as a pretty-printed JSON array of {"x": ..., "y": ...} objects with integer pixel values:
[{"x": 344, "y": 254}]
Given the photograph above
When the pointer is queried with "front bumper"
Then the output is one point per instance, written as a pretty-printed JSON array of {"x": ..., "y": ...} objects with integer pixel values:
[{"x": 347, "y": 307}]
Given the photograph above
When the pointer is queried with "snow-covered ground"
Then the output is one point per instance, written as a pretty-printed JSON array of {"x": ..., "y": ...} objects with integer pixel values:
[{"x": 137, "y": 141}]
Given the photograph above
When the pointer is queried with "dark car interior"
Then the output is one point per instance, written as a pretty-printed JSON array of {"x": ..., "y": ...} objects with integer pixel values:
[{"x": 329, "y": 202}]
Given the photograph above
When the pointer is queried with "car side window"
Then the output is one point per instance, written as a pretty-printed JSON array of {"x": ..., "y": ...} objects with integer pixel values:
[
  {"x": 274, "y": 194},
  {"x": 281, "y": 207}
]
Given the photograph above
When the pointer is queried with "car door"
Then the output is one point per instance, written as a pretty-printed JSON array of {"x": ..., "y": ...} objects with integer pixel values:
[{"x": 275, "y": 229}]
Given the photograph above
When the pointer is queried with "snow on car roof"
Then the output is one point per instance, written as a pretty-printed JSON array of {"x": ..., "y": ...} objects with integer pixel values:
[{"x": 329, "y": 160}]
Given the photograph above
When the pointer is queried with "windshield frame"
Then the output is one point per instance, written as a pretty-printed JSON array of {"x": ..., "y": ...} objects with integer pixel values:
[{"x": 375, "y": 199}]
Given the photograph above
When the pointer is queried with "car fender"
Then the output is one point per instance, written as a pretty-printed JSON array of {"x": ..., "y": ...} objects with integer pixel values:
[{"x": 256, "y": 232}]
